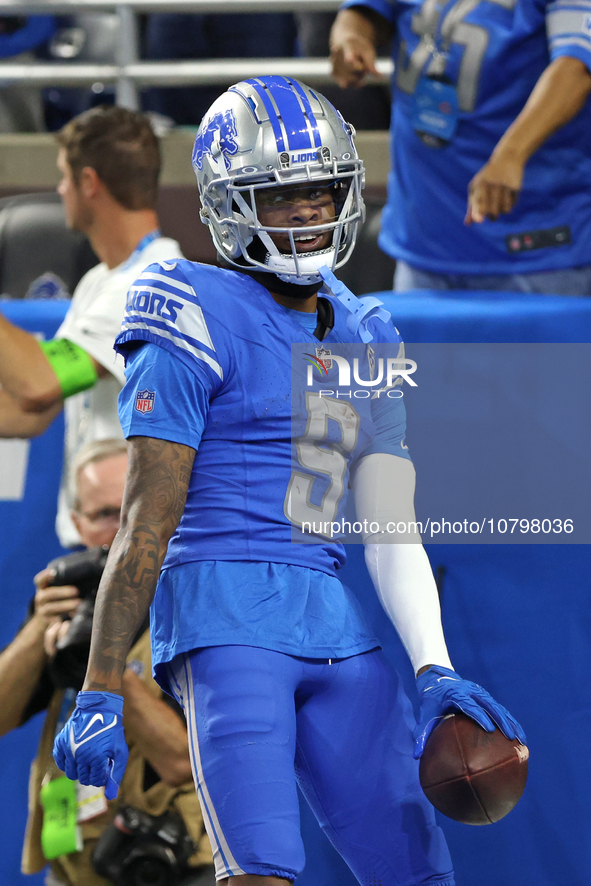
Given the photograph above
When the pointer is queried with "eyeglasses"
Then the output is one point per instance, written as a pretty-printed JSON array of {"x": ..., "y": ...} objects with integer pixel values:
[{"x": 104, "y": 515}]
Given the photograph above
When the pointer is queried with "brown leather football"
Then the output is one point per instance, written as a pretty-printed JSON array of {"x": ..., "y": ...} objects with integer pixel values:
[{"x": 471, "y": 775}]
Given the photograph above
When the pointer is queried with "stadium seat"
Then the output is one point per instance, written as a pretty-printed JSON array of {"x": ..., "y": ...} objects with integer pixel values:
[{"x": 34, "y": 239}]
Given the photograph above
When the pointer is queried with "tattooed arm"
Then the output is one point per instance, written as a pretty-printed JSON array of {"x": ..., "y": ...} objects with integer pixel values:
[
  {"x": 154, "y": 500},
  {"x": 91, "y": 747}
]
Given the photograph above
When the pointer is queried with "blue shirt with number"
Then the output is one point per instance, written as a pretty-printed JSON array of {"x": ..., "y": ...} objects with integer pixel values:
[
  {"x": 495, "y": 52},
  {"x": 209, "y": 365}
]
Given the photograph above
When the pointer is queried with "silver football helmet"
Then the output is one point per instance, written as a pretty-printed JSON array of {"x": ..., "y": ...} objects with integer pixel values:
[{"x": 269, "y": 132}]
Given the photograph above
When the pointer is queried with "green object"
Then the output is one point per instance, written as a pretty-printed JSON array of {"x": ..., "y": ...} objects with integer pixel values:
[
  {"x": 74, "y": 368},
  {"x": 60, "y": 835}
]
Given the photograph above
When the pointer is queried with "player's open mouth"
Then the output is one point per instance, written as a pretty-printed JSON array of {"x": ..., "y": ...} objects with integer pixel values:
[{"x": 305, "y": 243}]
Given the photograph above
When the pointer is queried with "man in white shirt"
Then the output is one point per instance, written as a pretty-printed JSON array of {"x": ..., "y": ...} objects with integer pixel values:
[{"x": 109, "y": 159}]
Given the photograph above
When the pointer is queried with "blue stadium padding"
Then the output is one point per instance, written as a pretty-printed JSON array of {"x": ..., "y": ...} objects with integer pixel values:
[
  {"x": 516, "y": 617},
  {"x": 518, "y": 620},
  {"x": 425, "y": 315},
  {"x": 27, "y": 543}
]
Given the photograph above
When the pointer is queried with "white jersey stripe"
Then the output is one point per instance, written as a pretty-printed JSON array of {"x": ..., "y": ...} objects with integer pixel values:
[
  {"x": 179, "y": 341},
  {"x": 170, "y": 281},
  {"x": 560, "y": 5},
  {"x": 566, "y": 22},
  {"x": 146, "y": 288},
  {"x": 216, "y": 835},
  {"x": 181, "y": 681},
  {"x": 189, "y": 318},
  {"x": 571, "y": 41}
]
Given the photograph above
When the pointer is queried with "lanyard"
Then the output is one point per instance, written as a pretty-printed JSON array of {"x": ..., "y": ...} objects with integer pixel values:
[
  {"x": 145, "y": 241},
  {"x": 436, "y": 16}
]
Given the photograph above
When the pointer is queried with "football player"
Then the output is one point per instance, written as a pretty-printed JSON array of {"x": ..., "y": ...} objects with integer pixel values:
[{"x": 281, "y": 680}]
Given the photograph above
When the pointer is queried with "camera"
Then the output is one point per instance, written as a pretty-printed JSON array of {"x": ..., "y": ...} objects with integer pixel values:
[
  {"x": 83, "y": 570},
  {"x": 139, "y": 849}
]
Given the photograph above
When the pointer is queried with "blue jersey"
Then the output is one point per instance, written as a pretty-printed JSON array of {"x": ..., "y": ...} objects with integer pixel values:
[
  {"x": 495, "y": 52},
  {"x": 216, "y": 375},
  {"x": 36, "y": 30}
]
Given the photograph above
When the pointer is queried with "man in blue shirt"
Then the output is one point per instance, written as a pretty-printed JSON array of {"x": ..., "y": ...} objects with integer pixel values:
[
  {"x": 253, "y": 633},
  {"x": 21, "y": 107},
  {"x": 490, "y": 107}
]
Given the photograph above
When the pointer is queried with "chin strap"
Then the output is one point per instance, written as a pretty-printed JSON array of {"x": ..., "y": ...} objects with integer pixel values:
[{"x": 361, "y": 310}]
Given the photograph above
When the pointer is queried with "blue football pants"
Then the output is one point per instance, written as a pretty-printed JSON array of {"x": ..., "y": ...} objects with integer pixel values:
[{"x": 259, "y": 721}]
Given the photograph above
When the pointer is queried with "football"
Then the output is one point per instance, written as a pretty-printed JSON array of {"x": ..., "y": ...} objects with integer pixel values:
[{"x": 473, "y": 776}]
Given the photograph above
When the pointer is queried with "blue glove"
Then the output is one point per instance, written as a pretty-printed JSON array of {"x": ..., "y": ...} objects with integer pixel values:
[
  {"x": 91, "y": 746},
  {"x": 442, "y": 691}
]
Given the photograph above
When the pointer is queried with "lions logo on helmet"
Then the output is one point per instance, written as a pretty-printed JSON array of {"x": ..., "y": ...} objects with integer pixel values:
[
  {"x": 218, "y": 132},
  {"x": 274, "y": 132}
]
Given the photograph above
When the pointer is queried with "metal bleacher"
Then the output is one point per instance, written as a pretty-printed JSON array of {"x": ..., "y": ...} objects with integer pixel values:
[{"x": 129, "y": 74}]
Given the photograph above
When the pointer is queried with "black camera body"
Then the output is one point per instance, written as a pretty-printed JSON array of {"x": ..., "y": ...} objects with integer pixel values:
[
  {"x": 139, "y": 849},
  {"x": 83, "y": 570}
]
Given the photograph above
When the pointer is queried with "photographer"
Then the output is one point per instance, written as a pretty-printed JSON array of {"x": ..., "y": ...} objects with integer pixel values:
[{"x": 42, "y": 669}]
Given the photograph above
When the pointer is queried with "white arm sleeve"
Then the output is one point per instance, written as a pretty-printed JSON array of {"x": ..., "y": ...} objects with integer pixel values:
[{"x": 401, "y": 573}]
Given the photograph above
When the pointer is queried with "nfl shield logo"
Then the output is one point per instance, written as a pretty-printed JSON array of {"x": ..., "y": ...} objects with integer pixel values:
[
  {"x": 324, "y": 355},
  {"x": 144, "y": 401}
]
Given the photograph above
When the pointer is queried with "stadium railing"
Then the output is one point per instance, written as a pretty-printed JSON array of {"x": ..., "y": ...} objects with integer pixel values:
[{"x": 129, "y": 74}]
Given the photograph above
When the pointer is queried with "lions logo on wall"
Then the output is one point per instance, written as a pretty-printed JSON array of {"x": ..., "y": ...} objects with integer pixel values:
[{"x": 220, "y": 129}]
